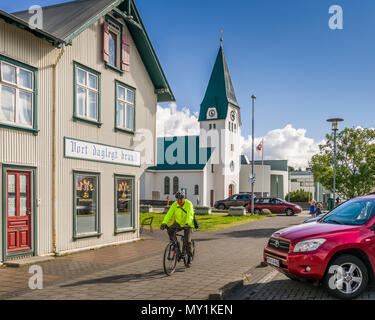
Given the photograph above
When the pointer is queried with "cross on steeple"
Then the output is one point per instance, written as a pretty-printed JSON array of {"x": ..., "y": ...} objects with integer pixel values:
[{"x": 221, "y": 38}]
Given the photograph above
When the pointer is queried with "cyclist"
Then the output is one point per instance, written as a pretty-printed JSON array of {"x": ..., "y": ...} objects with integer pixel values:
[{"x": 183, "y": 211}]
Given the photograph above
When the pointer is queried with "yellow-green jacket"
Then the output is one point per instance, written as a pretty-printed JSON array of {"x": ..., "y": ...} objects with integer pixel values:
[{"x": 181, "y": 217}]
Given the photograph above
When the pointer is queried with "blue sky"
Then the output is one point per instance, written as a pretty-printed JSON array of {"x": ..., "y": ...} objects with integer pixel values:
[{"x": 283, "y": 51}]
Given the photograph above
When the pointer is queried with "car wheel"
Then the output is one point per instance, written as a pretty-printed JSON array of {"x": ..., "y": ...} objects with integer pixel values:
[
  {"x": 221, "y": 206},
  {"x": 289, "y": 212},
  {"x": 257, "y": 211},
  {"x": 346, "y": 277}
]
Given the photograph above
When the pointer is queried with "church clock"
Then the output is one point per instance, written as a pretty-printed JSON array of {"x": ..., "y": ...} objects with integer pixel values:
[{"x": 233, "y": 115}]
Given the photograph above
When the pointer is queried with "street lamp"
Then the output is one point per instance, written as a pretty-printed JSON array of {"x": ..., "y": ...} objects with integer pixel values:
[
  {"x": 335, "y": 127},
  {"x": 253, "y": 97}
]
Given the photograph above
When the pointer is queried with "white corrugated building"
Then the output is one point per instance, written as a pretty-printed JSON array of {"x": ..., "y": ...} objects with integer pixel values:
[{"x": 74, "y": 93}]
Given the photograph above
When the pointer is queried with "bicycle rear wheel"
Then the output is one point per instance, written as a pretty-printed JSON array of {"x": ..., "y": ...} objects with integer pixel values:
[{"x": 170, "y": 258}]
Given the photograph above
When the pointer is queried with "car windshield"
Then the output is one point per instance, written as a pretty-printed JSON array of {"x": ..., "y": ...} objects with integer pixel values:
[{"x": 354, "y": 212}]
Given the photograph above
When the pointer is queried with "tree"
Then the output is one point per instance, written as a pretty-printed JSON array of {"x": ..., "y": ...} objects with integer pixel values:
[
  {"x": 299, "y": 196},
  {"x": 355, "y": 162}
]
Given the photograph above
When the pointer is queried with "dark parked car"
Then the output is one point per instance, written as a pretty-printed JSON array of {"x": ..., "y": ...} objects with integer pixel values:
[
  {"x": 275, "y": 205},
  {"x": 237, "y": 200}
]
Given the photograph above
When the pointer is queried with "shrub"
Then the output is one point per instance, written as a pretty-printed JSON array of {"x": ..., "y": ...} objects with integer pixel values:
[{"x": 299, "y": 196}]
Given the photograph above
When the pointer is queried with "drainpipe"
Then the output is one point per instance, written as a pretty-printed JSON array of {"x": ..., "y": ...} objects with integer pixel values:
[{"x": 54, "y": 148}]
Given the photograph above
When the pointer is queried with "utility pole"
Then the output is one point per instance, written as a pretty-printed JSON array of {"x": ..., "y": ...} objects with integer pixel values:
[
  {"x": 253, "y": 97},
  {"x": 335, "y": 127}
]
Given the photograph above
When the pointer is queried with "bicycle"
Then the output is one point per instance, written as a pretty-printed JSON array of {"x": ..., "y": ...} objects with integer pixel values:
[{"x": 174, "y": 254}]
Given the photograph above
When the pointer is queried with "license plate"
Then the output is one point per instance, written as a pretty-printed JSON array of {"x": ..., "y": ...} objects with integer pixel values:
[{"x": 273, "y": 261}]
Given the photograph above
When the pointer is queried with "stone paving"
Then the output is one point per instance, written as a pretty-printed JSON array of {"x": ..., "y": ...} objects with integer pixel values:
[
  {"x": 134, "y": 270},
  {"x": 266, "y": 283}
]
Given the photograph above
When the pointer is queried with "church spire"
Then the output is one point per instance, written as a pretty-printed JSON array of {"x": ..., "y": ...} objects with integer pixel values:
[{"x": 220, "y": 92}]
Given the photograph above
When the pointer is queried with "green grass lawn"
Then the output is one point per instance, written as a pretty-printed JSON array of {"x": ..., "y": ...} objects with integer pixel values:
[{"x": 211, "y": 222}]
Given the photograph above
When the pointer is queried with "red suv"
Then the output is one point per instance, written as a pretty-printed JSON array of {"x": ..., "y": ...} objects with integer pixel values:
[
  {"x": 338, "y": 249},
  {"x": 275, "y": 205}
]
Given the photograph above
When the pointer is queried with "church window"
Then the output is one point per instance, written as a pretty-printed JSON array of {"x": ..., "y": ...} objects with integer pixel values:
[
  {"x": 210, "y": 126},
  {"x": 214, "y": 125},
  {"x": 196, "y": 189},
  {"x": 166, "y": 185},
  {"x": 175, "y": 185},
  {"x": 212, "y": 168}
]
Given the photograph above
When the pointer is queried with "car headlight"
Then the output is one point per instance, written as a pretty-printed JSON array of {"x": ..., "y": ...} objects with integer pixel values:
[{"x": 308, "y": 245}]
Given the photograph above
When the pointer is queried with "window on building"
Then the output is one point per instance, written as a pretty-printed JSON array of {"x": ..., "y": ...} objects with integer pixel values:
[
  {"x": 175, "y": 185},
  {"x": 210, "y": 126},
  {"x": 196, "y": 190},
  {"x": 124, "y": 211},
  {"x": 212, "y": 168},
  {"x": 17, "y": 94},
  {"x": 86, "y": 204},
  {"x": 87, "y": 94},
  {"x": 166, "y": 185},
  {"x": 235, "y": 128},
  {"x": 232, "y": 147},
  {"x": 125, "y": 107},
  {"x": 214, "y": 125},
  {"x": 116, "y": 50}
]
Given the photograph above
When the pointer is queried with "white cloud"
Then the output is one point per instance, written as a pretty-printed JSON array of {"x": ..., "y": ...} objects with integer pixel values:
[
  {"x": 173, "y": 122},
  {"x": 285, "y": 144},
  {"x": 280, "y": 144}
]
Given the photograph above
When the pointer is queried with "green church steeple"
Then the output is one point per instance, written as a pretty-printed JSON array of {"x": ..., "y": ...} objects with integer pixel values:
[{"x": 219, "y": 91}]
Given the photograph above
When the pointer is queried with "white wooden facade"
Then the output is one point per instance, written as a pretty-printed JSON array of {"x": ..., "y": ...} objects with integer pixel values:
[{"x": 32, "y": 150}]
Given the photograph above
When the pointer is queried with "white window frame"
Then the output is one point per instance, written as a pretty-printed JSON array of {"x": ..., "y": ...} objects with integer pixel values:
[
  {"x": 113, "y": 28},
  {"x": 87, "y": 88},
  {"x": 126, "y": 103},
  {"x": 18, "y": 88}
]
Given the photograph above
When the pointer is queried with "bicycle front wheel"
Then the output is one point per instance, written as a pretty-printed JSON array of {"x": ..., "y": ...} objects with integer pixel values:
[{"x": 170, "y": 258}]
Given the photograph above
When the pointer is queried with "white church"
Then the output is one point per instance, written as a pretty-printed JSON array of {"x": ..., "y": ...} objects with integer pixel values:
[{"x": 207, "y": 167}]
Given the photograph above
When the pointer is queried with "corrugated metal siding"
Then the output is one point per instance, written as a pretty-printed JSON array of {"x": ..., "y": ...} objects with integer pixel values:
[
  {"x": 87, "y": 50},
  {"x": 21, "y": 148}
]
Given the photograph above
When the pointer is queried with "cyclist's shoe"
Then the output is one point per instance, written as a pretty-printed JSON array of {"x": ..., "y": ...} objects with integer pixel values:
[{"x": 190, "y": 261}]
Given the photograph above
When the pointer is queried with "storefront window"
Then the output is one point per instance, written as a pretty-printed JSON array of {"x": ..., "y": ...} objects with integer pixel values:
[
  {"x": 86, "y": 205},
  {"x": 124, "y": 202}
]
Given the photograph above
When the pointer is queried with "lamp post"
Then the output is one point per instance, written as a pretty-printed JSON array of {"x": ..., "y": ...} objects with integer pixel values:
[
  {"x": 253, "y": 97},
  {"x": 335, "y": 127}
]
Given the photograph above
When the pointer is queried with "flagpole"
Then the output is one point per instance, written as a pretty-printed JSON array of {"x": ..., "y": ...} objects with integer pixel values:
[{"x": 262, "y": 168}]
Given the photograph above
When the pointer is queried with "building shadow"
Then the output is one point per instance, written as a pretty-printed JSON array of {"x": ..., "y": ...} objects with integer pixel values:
[
  {"x": 126, "y": 278},
  {"x": 251, "y": 233}
]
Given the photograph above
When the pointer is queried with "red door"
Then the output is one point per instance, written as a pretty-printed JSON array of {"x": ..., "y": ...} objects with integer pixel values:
[
  {"x": 18, "y": 211},
  {"x": 212, "y": 198},
  {"x": 230, "y": 190}
]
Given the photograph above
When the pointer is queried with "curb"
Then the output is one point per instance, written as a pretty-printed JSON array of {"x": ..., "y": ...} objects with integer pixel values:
[{"x": 227, "y": 290}]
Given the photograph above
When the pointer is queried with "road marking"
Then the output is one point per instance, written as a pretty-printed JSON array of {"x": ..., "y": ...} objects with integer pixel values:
[{"x": 269, "y": 277}]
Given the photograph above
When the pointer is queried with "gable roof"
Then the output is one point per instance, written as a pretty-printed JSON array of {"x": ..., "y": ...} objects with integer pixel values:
[
  {"x": 181, "y": 153},
  {"x": 220, "y": 91},
  {"x": 64, "y": 19},
  {"x": 63, "y": 22}
]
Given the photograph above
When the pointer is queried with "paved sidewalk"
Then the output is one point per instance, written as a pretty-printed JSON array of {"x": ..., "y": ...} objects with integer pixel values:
[{"x": 134, "y": 270}]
